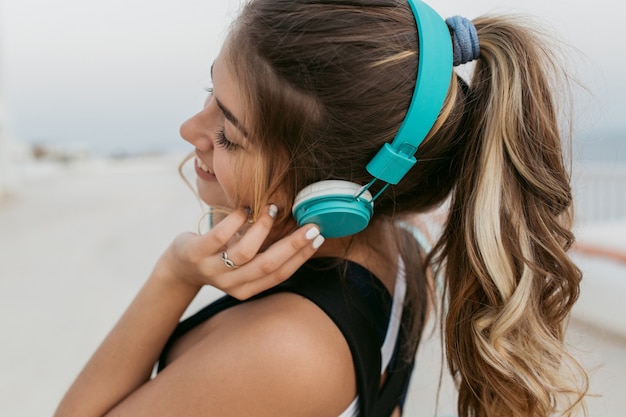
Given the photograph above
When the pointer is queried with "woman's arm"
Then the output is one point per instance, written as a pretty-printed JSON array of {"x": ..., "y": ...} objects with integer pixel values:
[
  {"x": 279, "y": 355},
  {"x": 125, "y": 359}
]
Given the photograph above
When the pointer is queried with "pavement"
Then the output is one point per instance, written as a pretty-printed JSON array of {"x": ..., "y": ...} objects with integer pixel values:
[{"x": 78, "y": 239}]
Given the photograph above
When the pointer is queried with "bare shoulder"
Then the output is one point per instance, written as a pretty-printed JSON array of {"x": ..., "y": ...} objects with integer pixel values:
[{"x": 278, "y": 355}]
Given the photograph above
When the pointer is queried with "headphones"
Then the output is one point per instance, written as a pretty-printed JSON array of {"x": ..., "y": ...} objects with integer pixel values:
[{"x": 342, "y": 208}]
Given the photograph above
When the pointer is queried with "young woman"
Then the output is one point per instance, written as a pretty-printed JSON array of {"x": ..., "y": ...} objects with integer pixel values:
[{"x": 325, "y": 310}]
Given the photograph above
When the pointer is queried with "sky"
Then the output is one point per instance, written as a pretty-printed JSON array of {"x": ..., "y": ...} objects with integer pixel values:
[{"x": 120, "y": 76}]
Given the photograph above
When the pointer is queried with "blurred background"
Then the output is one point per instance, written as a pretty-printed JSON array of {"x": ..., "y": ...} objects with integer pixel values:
[{"x": 91, "y": 98}]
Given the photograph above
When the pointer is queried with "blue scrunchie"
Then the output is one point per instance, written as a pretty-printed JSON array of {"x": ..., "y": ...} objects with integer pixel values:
[{"x": 465, "y": 40}]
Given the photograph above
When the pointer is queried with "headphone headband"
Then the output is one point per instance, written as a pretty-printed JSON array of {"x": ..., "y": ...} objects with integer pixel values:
[
  {"x": 434, "y": 72},
  {"x": 342, "y": 208}
]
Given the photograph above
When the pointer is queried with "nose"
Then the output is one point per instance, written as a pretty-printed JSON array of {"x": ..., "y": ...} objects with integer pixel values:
[{"x": 195, "y": 131}]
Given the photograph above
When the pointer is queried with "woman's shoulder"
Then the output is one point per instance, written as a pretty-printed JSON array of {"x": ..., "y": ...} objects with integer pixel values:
[
  {"x": 286, "y": 325},
  {"x": 256, "y": 354}
]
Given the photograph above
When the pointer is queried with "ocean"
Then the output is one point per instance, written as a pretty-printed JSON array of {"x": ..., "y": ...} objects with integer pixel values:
[{"x": 593, "y": 146}]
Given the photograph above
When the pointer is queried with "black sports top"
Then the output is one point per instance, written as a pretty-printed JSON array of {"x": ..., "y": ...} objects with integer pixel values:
[{"x": 360, "y": 306}]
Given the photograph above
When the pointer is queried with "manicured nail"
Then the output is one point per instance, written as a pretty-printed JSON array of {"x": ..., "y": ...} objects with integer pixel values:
[
  {"x": 318, "y": 242},
  {"x": 273, "y": 211},
  {"x": 312, "y": 233}
]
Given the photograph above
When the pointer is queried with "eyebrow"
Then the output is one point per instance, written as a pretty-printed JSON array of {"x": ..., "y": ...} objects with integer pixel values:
[
  {"x": 230, "y": 117},
  {"x": 227, "y": 113}
]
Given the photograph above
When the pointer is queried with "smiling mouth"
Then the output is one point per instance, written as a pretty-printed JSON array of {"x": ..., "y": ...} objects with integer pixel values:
[{"x": 204, "y": 166}]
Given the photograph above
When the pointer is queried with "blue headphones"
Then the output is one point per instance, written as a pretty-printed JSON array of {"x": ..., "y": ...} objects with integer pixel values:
[{"x": 342, "y": 208}]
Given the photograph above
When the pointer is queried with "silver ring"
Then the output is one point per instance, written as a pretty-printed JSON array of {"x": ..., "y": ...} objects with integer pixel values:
[{"x": 228, "y": 262}]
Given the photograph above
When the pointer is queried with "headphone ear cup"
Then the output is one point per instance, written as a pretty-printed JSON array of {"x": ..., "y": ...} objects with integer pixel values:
[{"x": 333, "y": 207}]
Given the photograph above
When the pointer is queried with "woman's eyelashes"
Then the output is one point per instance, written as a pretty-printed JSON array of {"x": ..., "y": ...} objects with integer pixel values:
[
  {"x": 221, "y": 138},
  {"x": 223, "y": 141}
]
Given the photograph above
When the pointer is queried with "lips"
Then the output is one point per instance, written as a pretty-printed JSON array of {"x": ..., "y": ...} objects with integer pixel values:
[
  {"x": 200, "y": 164},
  {"x": 203, "y": 171}
]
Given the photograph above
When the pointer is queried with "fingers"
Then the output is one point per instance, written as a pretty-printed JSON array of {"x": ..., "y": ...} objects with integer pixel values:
[
  {"x": 198, "y": 256},
  {"x": 219, "y": 235},
  {"x": 276, "y": 264},
  {"x": 240, "y": 269},
  {"x": 250, "y": 243}
]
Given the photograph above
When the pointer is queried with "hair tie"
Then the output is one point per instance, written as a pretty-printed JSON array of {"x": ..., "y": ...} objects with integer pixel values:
[{"x": 465, "y": 40}]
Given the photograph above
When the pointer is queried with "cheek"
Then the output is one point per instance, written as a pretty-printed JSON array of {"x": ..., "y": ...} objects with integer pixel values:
[
  {"x": 225, "y": 172},
  {"x": 235, "y": 178}
]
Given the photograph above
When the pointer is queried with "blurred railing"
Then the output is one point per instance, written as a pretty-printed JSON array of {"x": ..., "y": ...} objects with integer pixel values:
[{"x": 599, "y": 191}]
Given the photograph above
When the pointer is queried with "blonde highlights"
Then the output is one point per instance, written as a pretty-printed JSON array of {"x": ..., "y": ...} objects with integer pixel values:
[
  {"x": 327, "y": 83},
  {"x": 510, "y": 283}
]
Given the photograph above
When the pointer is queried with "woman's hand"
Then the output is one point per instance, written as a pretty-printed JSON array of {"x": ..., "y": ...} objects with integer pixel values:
[
  {"x": 124, "y": 361},
  {"x": 236, "y": 266}
]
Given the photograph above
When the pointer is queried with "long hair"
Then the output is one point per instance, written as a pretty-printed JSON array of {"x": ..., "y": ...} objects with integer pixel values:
[
  {"x": 510, "y": 283},
  {"x": 326, "y": 82}
]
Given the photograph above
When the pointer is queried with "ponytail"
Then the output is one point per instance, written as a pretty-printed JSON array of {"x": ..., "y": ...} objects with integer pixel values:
[
  {"x": 509, "y": 282},
  {"x": 495, "y": 152}
]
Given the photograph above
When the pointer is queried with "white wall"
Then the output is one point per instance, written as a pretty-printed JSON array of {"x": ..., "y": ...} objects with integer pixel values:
[{"x": 4, "y": 159}]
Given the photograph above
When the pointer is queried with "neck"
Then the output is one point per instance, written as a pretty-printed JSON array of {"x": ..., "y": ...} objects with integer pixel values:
[{"x": 374, "y": 249}]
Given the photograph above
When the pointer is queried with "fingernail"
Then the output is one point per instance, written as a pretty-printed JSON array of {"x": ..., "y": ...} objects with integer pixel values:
[
  {"x": 318, "y": 242},
  {"x": 248, "y": 210},
  {"x": 312, "y": 233},
  {"x": 273, "y": 211}
]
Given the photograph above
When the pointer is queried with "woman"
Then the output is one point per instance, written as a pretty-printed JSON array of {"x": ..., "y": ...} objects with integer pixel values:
[{"x": 325, "y": 311}]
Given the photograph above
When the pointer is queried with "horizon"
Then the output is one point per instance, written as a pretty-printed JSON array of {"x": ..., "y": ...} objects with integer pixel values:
[{"x": 120, "y": 77}]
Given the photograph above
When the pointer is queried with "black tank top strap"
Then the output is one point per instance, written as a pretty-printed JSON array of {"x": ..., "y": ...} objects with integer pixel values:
[
  {"x": 394, "y": 391},
  {"x": 360, "y": 306}
]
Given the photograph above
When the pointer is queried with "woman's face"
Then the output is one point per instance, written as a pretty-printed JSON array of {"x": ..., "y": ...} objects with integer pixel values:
[{"x": 224, "y": 155}]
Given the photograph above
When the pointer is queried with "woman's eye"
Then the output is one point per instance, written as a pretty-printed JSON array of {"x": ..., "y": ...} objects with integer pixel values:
[{"x": 223, "y": 141}]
